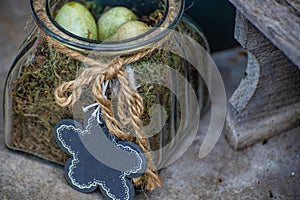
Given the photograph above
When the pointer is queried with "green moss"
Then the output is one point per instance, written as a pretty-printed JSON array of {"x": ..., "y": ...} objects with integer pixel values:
[
  {"x": 34, "y": 106},
  {"x": 36, "y": 112}
]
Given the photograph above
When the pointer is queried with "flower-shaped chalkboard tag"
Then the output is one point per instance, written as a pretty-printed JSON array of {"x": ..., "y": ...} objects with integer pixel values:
[{"x": 99, "y": 159}]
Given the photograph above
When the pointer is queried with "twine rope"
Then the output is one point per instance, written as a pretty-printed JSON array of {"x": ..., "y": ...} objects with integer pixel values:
[
  {"x": 68, "y": 93},
  {"x": 98, "y": 73}
]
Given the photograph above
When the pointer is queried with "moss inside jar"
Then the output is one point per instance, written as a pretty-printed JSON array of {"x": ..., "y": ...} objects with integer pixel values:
[{"x": 32, "y": 111}]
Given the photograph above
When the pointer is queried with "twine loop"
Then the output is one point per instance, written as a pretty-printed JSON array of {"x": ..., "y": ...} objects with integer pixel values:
[{"x": 130, "y": 102}]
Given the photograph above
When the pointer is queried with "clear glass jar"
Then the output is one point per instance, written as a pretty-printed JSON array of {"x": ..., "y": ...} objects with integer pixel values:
[{"x": 38, "y": 69}]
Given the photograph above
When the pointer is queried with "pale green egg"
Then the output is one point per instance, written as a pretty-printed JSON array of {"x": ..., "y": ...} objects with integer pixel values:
[
  {"x": 111, "y": 20},
  {"x": 77, "y": 19},
  {"x": 130, "y": 29}
]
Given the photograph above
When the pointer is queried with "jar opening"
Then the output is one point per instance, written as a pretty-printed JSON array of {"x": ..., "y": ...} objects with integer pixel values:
[{"x": 42, "y": 11}]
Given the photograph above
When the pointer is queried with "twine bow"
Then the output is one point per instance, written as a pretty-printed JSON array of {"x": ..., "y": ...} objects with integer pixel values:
[{"x": 68, "y": 93}]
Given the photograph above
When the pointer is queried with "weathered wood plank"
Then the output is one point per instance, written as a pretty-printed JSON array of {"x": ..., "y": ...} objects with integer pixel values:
[
  {"x": 278, "y": 20},
  {"x": 267, "y": 101},
  {"x": 294, "y": 4}
]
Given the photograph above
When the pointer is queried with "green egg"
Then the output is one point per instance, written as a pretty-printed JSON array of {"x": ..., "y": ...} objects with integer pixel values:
[
  {"x": 77, "y": 19},
  {"x": 111, "y": 20},
  {"x": 129, "y": 30}
]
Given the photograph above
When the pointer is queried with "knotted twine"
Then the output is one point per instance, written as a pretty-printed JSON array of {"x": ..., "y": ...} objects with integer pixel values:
[{"x": 68, "y": 93}]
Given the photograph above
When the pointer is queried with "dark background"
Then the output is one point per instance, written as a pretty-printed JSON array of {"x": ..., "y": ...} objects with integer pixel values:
[{"x": 216, "y": 17}]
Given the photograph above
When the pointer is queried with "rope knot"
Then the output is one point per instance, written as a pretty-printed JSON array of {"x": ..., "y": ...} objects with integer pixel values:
[
  {"x": 68, "y": 93},
  {"x": 113, "y": 69}
]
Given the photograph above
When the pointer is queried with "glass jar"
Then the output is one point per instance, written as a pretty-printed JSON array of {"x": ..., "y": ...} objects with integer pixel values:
[{"x": 31, "y": 111}]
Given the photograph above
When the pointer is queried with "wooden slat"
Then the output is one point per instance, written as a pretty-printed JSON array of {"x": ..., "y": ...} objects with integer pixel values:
[
  {"x": 278, "y": 20},
  {"x": 267, "y": 102}
]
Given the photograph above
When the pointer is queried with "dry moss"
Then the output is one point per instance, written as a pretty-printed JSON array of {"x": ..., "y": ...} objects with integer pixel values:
[{"x": 35, "y": 112}]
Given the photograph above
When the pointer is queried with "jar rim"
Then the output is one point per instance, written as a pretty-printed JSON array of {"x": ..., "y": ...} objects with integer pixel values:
[{"x": 53, "y": 30}]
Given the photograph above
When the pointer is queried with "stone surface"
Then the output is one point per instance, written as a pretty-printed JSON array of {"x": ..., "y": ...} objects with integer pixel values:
[
  {"x": 278, "y": 20},
  {"x": 268, "y": 170},
  {"x": 267, "y": 102}
]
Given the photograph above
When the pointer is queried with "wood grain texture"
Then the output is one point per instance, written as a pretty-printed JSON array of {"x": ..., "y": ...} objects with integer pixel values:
[
  {"x": 267, "y": 102},
  {"x": 278, "y": 20}
]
